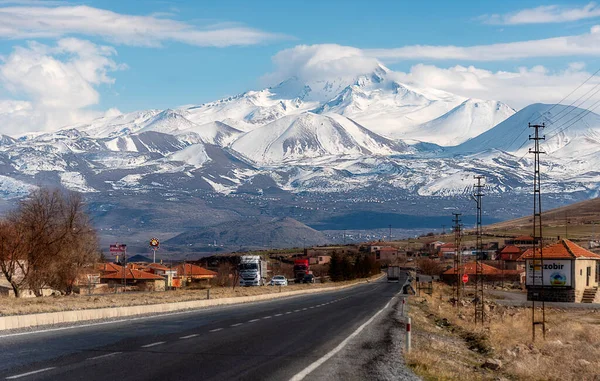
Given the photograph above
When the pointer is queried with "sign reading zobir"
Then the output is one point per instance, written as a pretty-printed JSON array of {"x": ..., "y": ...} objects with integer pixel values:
[{"x": 557, "y": 273}]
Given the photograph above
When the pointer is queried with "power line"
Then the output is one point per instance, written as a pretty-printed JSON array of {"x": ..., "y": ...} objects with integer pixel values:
[{"x": 568, "y": 95}]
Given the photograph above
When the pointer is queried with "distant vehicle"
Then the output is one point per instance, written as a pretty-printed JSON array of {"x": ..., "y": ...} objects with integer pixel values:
[
  {"x": 393, "y": 274},
  {"x": 253, "y": 270},
  {"x": 308, "y": 278},
  {"x": 278, "y": 280},
  {"x": 301, "y": 268}
]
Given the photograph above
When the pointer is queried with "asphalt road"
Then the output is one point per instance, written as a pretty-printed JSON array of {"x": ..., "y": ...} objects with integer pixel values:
[{"x": 272, "y": 340}]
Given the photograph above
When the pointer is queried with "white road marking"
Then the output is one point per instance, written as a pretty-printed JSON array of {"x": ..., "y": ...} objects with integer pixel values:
[
  {"x": 289, "y": 312},
  {"x": 253, "y": 320},
  {"x": 29, "y": 373},
  {"x": 306, "y": 371},
  {"x": 278, "y": 314},
  {"x": 296, "y": 310},
  {"x": 304, "y": 309},
  {"x": 311, "y": 307},
  {"x": 236, "y": 324},
  {"x": 267, "y": 317},
  {"x": 99, "y": 323},
  {"x": 103, "y": 356},
  {"x": 153, "y": 344},
  {"x": 216, "y": 330},
  {"x": 189, "y": 336}
]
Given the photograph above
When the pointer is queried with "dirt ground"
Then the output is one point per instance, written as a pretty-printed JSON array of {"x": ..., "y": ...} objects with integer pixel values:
[
  {"x": 447, "y": 345},
  {"x": 21, "y": 306}
]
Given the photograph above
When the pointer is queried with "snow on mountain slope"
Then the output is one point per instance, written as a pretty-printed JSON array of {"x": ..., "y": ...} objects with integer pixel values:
[
  {"x": 512, "y": 135},
  {"x": 167, "y": 121},
  {"x": 248, "y": 110},
  {"x": 387, "y": 107},
  {"x": 216, "y": 133},
  {"x": 116, "y": 125},
  {"x": 194, "y": 155},
  {"x": 468, "y": 120},
  {"x": 311, "y": 135}
]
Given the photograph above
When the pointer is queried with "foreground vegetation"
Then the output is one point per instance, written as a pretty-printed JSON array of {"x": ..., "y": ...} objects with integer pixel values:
[
  {"x": 447, "y": 345},
  {"x": 46, "y": 241}
]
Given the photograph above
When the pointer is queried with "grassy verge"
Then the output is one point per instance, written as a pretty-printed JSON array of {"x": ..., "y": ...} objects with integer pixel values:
[
  {"x": 21, "y": 306},
  {"x": 447, "y": 345}
]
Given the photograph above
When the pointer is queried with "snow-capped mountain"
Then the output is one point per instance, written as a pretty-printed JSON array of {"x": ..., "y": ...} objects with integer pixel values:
[
  {"x": 333, "y": 144},
  {"x": 569, "y": 131},
  {"x": 312, "y": 136}
]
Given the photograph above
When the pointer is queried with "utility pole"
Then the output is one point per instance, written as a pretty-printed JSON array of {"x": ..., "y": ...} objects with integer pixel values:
[
  {"x": 457, "y": 257},
  {"x": 537, "y": 231},
  {"x": 479, "y": 312}
]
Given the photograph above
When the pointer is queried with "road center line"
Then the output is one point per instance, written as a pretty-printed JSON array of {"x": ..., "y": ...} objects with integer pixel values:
[
  {"x": 289, "y": 312},
  {"x": 306, "y": 371},
  {"x": 216, "y": 330},
  {"x": 103, "y": 356},
  {"x": 253, "y": 320},
  {"x": 296, "y": 310},
  {"x": 278, "y": 314},
  {"x": 189, "y": 336},
  {"x": 153, "y": 344},
  {"x": 29, "y": 373},
  {"x": 267, "y": 317},
  {"x": 236, "y": 324}
]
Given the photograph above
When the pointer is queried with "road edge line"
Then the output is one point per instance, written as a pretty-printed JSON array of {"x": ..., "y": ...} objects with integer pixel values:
[{"x": 306, "y": 371}]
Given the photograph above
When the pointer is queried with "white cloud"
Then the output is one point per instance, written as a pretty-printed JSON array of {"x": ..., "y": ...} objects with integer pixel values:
[
  {"x": 54, "y": 22},
  {"x": 516, "y": 88},
  {"x": 58, "y": 83},
  {"x": 587, "y": 44},
  {"x": 317, "y": 62},
  {"x": 544, "y": 14}
]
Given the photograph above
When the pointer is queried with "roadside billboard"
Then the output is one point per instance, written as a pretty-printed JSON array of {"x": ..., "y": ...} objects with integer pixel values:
[{"x": 557, "y": 273}]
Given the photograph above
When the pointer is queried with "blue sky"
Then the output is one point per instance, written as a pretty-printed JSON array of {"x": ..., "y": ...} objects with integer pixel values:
[{"x": 101, "y": 65}]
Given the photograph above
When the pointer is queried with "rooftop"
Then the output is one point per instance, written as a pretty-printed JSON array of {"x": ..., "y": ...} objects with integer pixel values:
[{"x": 563, "y": 249}]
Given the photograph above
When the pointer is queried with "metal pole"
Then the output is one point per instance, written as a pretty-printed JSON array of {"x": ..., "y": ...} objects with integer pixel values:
[{"x": 537, "y": 230}]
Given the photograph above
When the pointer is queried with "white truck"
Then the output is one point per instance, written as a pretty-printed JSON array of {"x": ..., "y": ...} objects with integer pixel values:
[
  {"x": 253, "y": 270},
  {"x": 393, "y": 274}
]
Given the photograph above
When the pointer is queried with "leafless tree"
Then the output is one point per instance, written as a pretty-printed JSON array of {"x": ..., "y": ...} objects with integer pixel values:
[{"x": 47, "y": 241}]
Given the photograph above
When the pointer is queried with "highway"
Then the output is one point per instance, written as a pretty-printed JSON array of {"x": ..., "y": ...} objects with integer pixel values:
[{"x": 274, "y": 340}]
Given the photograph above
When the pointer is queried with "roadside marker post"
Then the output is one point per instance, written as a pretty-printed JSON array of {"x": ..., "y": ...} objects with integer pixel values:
[
  {"x": 408, "y": 335},
  {"x": 403, "y": 303}
]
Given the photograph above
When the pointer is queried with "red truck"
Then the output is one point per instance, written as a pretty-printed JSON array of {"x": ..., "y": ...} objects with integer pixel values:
[{"x": 301, "y": 269}]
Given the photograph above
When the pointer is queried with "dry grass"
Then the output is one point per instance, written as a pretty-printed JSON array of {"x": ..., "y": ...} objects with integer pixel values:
[
  {"x": 448, "y": 346},
  {"x": 20, "y": 306}
]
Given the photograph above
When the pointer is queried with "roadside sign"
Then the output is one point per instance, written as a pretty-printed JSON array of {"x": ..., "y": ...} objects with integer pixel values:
[
  {"x": 465, "y": 278},
  {"x": 116, "y": 249},
  {"x": 154, "y": 243}
]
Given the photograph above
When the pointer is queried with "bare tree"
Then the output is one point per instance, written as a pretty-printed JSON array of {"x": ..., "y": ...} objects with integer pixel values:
[
  {"x": 13, "y": 263},
  {"x": 46, "y": 241}
]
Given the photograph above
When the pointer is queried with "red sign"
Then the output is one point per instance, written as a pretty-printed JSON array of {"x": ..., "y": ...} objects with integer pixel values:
[
  {"x": 465, "y": 278},
  {"x": 118, "y": 248}
]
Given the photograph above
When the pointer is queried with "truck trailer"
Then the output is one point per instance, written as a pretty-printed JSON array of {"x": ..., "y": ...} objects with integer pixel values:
[
  {"x": 393, "y": 274},
  {"x": 253, "y": 270}
]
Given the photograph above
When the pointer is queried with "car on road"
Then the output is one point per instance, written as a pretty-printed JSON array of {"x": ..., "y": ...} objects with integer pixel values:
[
  {"x": 308, "y": 278},
  {"x": 278, "y": 280}
]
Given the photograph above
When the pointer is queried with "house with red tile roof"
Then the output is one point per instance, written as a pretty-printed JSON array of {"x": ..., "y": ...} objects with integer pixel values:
[
  {"x": 490, "y": 274},
  {"x": 132, "y": 277},
  {"x": 510, "y": 257},
  {"x": 190, "y": 273},
  {"x": 562, "y": 272}
]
